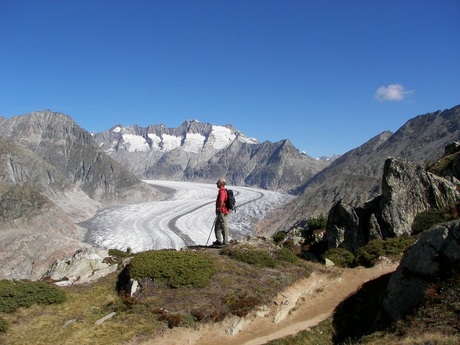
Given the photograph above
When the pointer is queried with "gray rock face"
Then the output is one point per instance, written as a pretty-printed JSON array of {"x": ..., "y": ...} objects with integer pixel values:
[
  {"x": 433, "y": 254},
  {"x": 407, "y": 190},
  {"x": 84, "y": 266},
  {"x": 33, "y": 233},
  {"x": 343, "y": 228},
  {"x": 57, "y": 140}
]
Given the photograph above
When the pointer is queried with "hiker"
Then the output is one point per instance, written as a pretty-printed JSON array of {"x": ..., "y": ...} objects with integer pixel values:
[{"x": 221, "y": 228}]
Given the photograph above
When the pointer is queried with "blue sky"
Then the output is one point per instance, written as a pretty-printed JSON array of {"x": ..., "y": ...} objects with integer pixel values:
[{"x": 328, "y": 75}]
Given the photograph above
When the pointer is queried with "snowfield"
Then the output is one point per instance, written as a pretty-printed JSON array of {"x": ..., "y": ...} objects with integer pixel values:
[{"x": 184, "y": 219}]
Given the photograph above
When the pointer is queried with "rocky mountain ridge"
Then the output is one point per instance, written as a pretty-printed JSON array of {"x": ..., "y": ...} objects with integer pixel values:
[
  {"x": 58, "y": 140},
  {"x": 202, "y": 152},
  {"x": 355, "y": 177}
]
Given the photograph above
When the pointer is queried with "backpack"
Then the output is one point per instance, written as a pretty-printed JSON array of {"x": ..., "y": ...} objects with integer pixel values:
[{"x": 230, "y": 202}]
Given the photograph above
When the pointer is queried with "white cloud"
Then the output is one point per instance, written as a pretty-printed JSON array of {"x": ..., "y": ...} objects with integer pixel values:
[{"x": 393, "y": 92}]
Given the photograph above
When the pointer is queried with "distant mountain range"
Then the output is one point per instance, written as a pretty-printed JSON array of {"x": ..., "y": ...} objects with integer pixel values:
[{"x": 203, "y": 152}]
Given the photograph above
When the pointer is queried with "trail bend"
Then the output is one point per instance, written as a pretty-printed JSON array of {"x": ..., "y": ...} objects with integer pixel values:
[{"x": 308, "y": 302}]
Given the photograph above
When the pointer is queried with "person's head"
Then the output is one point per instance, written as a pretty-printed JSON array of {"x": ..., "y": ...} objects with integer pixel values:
[{"x": 221, "y": 182}]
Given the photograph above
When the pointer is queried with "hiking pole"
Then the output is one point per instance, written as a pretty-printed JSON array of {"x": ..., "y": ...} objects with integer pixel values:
[{"x": 212, "y": 227}]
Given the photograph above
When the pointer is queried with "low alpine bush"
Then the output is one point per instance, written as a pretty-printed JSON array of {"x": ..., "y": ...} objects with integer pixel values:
[
  {"x": 173, "y": 268},
  {"x": 426, "y": 219},
  {"x": 340, "y": 257},
  {"x": 369, "y": 254},
  {"x": 241, "y": 304},
  {"x": 286, "y": 255},
  {"x": 15, "y": 294},
  {"x": 260, "y": 258},
  {"x": 120, "y": 253},
  {"x": 279, "y": 237},
  {"x": 319, "y": 222}
]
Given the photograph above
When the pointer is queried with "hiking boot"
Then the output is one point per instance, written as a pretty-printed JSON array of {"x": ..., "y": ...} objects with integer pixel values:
[{"x": 217, "y": 243}]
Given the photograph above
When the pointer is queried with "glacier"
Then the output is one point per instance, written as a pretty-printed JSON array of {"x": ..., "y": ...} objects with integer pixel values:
[{"x": 184, "y": 219}]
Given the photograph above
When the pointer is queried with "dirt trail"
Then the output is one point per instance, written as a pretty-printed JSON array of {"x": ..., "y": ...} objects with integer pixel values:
[{"x": 300, "y": 307}]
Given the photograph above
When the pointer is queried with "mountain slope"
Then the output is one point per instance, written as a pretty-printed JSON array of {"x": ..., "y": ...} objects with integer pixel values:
[
  {"x": 356, "y": 176},
  {"x": 60, "y": 142},
  {"x": 52, "y": 176}
]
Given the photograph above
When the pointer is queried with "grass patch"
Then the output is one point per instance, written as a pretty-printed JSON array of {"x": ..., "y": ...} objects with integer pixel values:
[
  {"x": 251, "y": 256},
  {"x": 74, "y": 321},
  {"x": 321, "y": 334},
  {"x": 236, "y": 288},
  {"x": 286, "y": 255}
]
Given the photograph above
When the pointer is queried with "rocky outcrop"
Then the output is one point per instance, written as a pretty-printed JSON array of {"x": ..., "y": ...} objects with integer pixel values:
[
  {"x": 34, "y": 232},
  {"x": 449, "y": 165},
  {"x": 407, "y": 190},
  {"x": 343, "y": 228},
  {"x": 85, "y": 266},
  {"x": 432, "y": 257}
]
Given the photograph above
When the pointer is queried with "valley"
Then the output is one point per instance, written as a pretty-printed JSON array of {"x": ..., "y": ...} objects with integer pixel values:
[{"x": 185, "y": 218}]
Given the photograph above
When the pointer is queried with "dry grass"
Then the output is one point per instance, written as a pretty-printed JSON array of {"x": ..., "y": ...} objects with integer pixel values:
[
  {"x": 74, "y": 321},
  {"x": 235, "y": 289}
]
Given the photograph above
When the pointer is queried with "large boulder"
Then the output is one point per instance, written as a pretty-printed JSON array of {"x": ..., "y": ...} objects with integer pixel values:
[
  {"x": 407, "y": 190},
  {"x": 430, "y": 258},
  {"x": 84, "y": 266},
  {"x": 343, "y": 227}
]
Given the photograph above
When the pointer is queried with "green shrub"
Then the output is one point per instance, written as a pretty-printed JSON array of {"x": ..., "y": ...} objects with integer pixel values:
[
  {"x": 369, "y": 254},
  {"x": 426, "y": 219},
  {"x": 317, "y": 223},
  {"x": 120, "y": 254},
  {"x": 4, "y": 326},
  {"x": 340, "y": 257},
  {"x": 397, "y": 246},
  {"x": 174, "y": 268},
  {"x": 251, "y": 256},
  {"x": 24, "y": 293},
  {"x": 286, "y": 255},
  {"x": 279, "y": 237}
]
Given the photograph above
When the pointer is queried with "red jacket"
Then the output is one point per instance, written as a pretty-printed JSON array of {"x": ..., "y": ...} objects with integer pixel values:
[{"x": 220, "y": 201}]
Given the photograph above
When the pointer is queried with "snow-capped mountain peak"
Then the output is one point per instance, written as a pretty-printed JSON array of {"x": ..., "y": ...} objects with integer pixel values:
[
  {"x": 192, "y": 136},
  {"x": 197, "y": 151}
]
